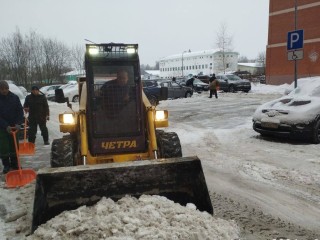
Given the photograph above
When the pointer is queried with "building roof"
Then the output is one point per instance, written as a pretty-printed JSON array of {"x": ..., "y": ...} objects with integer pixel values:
[
  {"x": 194, "y": 54},
  {"x": 255, "y": 64},
  {"x": 153, "y": 72}
]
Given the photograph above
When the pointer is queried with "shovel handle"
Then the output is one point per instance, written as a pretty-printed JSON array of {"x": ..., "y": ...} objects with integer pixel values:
[{"x": 13, "y": 132}]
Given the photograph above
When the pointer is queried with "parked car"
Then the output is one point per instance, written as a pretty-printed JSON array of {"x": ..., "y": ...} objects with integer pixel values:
[
  {"x": 177, "y": 90},
  {"x": 16, "y": 90},
  {"x": 296, "y": 115},
  {"x": 152, "y": 89},
  {"x": 233, "y": 83},
  {"x": 197, "y": 85},
  {"x": 23, "y": 90},
  {"x": 200, "y": 86},
  {"x": 70, "y": 90},
  {"x": 204, "y": 78},
  {"x": 48, "y": 88}
]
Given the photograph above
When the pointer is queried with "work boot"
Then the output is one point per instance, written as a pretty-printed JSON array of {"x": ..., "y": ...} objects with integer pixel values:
[
  {"x": 6, "y": 165},
  {"x": 14, "y": 163},
  {"x": 6, "y": 169}
]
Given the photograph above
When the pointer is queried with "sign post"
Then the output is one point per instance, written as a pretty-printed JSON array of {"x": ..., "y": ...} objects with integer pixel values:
[{"x": 295, "y": 44}]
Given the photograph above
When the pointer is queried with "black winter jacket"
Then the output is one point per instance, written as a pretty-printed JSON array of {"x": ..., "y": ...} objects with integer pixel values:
[
  {"x": 11, "y": 111},
  {"x": 38, "y": 107}
]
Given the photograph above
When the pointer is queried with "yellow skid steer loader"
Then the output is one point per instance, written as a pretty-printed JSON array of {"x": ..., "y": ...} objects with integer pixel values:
[{"x": 113, "y": 146}]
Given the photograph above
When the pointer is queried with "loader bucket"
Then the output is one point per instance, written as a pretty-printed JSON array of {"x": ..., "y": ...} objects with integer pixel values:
[{"x": 59, "y": 189}]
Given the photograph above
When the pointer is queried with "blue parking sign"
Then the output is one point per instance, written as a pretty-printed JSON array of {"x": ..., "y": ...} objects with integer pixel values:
[{"x": 295, "y": 40}]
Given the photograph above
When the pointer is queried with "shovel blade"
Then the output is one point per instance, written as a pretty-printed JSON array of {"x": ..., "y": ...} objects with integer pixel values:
[
  {"x": 26, "y": 148},
  {"x": 19, "y": 178}
]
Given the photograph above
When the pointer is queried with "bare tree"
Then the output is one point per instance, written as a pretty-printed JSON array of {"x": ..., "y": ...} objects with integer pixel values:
[
  {"x": 262, "y": 60},
  {"x": 56, "y": 60},
  {"x": 224, "y": 43},
  {"x": 243, "y": 59},
  {"x": 77, "y": 57},
  {"x": 33, "y": 59},
  {"x": 15, "y": 55}
]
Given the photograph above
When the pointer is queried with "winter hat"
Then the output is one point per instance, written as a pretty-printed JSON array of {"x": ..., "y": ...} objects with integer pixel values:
[
  {"x": 4, "y": 84},
  {"x": 34, "y": 88}
]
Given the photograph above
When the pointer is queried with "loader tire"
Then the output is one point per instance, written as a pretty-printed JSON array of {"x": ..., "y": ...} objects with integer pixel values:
[
  {"x": 168, "y": 144},
  {"x": 62, "y": 152}
]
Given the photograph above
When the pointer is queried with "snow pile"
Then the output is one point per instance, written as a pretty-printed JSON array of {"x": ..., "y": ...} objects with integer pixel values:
[
  {"x": 267, "y": 89},
  {"x": 149, "y": 217}
]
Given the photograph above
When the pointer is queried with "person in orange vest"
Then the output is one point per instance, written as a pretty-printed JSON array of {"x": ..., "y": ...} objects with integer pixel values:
[{"x": 214, "y": 86}]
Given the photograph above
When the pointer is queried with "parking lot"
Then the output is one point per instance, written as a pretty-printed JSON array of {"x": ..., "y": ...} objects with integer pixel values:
[{"x": 251, "y": 179}]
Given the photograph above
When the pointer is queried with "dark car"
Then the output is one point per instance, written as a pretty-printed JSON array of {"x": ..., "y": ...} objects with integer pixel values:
[
  {"x": 204, "y": 78},
  {"x": 153, "y": 91},
  {"x": 200, "y": 86},
  {"x": 197, "y": 85},
  {"x": 233, "y": 83},
  {"x": 177, "y": 90},
  {"x": 296, "y": 115}
]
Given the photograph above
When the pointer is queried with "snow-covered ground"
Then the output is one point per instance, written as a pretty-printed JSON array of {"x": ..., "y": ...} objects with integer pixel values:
[{"x": 266, "y": 187}]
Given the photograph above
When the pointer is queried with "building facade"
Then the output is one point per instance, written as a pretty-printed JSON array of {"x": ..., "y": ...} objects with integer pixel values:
[
  {"x": 202, "y": 62},
  {"x": 282, "y": 20}
]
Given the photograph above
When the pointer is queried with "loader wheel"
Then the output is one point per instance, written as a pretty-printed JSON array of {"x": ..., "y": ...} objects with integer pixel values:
[
  {"x": 168, "y": 144},
  {"x": 62, "y": 152}
]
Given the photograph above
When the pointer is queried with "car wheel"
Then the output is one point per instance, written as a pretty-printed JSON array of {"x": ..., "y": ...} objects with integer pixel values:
[
  {"x": 231, "y": 88},
  {"x": 316, "y": 132},
  {"x": 188, "y": 94},
  {"x": 75, "y": 98}
]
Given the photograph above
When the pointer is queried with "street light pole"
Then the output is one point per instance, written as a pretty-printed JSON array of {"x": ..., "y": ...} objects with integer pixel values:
[{"x": 182, "y": 62}]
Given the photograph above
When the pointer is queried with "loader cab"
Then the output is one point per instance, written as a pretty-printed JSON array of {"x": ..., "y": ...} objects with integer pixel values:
[{"x": 114, "y": 104}]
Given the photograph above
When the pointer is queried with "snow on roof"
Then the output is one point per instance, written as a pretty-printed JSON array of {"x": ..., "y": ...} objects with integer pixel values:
[
  {"x": 75, "y": 72},
  {"x": 153, "y": 72},
  {"x": 255, "y": 64},
  {"x": 193, "y": 54}
]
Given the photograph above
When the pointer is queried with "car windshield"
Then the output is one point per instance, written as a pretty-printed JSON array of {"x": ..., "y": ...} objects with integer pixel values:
[
  {"x": 197, "y": 81},
  {"x": 233, "y": 77},
  {"x": 149, "y": 83}
]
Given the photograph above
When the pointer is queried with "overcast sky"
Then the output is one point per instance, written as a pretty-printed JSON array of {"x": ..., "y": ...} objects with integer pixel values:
[{"x": 161, "y": 28}]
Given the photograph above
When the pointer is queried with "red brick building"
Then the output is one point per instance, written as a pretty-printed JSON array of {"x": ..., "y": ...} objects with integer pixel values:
[{"x": 279, "y": 69}]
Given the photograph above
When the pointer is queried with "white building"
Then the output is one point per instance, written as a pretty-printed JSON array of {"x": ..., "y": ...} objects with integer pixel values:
[
  {"x": 205, "y": 62},
  {"x": 253, "y": 68}
]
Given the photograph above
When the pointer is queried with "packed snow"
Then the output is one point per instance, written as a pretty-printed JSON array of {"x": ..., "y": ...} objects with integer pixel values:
[{"x": 261, "y": 188}]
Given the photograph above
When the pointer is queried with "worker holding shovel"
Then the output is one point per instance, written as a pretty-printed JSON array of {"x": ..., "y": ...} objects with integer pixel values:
[{"x": 11, "y": 116}]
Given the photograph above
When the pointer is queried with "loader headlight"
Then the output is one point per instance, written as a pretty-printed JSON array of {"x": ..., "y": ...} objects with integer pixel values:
[
  {"x": 93, "y": 50},
  {"x": 131, "y": 50},
  {"x": 161, "y": 118},
  {"x": 161, "y": 115},
  {"x": 66, "y": 118}
]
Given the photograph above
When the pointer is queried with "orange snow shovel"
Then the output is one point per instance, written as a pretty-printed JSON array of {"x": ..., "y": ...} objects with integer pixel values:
[
  {"x": 20, "y": 177},
  {"x": 26, "y": 148}
]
